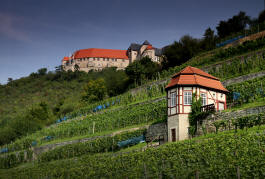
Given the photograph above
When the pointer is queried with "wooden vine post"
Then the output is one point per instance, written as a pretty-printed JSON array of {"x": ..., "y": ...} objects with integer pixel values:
[{"x": 93, "y": 127}]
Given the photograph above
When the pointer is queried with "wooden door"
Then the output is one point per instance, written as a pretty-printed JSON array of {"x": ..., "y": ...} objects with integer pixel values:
[{"x": 173, "y": 135}]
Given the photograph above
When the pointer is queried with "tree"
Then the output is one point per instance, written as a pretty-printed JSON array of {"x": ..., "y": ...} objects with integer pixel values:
[
  {"x": 59, "y": 68},
  {"x": 209, "y": 39},
  {"x": 233, "y": 25},
  {"x": 9, "y": 80},
  {"x": 182, "y": 51},
  {"x": 141, "y": 69},
  {"x": 116, "y": 80},
  {"x": 42, "y": 71},
  {"x": 94, "y": 90},
  {"x": 261, "y": 17},
  {"x": 77, "y": 68},
  {"x": 196, "y": 115}
]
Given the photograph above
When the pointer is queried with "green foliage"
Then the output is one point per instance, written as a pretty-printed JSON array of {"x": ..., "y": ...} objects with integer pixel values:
[
  {"x": 142, "y": 69},
  {"x": 34, "y": 119},
  {"x": 261, "y": 17},
  {"x": 219, "y": 55},
  {"x": 209, "y": 39},
  {"x": 216, "y": 156},
  {"x": 180, "y": 52},
  {"x": 238, "y": 67},
  {"x": 241, "y": 122},
  {"x": 196, "y": 115},
  {"x": 250, "y": 91},
  {"x": 94, "y": 90},
  {"x": 98, "y": 145},
  {"x": 13, "y": 159},
  {"x": 232, "y": 25},
  {"x": 107, "y": 121}
]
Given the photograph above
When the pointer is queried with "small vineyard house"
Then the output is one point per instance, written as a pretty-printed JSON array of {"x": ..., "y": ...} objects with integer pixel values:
[{"x": 179, "y": 95}]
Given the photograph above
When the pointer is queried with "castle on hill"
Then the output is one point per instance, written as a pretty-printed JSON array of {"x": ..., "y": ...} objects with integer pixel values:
[{"x": 97, "y": 59}]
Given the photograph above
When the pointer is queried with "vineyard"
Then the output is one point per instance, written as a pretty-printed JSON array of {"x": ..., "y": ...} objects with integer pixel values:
[
  {"x": 98, "y": 145},
  {"x": 247, "y": 92},
  {"x": 228, "y": 155},
  {"x": 112, "y": 118},
  {"x": 219, "y": 55},
  {"x": 150, "y": 92},
  {"x": 225, "y": 154},
  {"x": 95, "y": 124},
  {"x": 238, "y": 67}
]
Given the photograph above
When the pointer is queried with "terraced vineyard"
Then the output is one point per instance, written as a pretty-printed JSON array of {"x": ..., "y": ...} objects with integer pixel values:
[
  {"x": 222, "y": 155},
  {"x": 95, "y": 124},
  {"x": 225, "y": 155}
]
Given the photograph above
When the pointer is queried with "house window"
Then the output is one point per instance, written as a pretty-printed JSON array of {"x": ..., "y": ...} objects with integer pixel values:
[
  {"x": 221, "y": 106},
  {"x": 187, "y": 98},
  {"x": 98, "y": 59},
  {"x": 204, "y": 99},
  {"x": 173, "y": 99},
  {"x": 123, "y": 60}
]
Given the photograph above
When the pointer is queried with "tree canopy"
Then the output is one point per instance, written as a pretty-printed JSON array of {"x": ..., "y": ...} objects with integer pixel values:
[
  {"x": 233, "y": 25},
  {"x": 142, "y": 69}
]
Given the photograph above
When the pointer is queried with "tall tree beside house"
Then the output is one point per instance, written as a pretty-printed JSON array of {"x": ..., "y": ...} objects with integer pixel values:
[
  {"x": 94, "y": 90},
  {"x": 195, "y": 114}
]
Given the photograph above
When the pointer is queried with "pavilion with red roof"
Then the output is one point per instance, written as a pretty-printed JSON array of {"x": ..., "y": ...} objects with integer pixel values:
[{"x": 179, "y": 95}]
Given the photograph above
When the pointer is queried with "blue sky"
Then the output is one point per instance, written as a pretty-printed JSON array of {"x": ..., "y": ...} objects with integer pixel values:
[{"x": 38, "y": 33}]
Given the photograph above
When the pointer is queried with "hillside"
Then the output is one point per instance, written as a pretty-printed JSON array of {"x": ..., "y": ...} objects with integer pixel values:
[
  {"x": 83, "y": 139},
  {"x": 224, "y": 155}
]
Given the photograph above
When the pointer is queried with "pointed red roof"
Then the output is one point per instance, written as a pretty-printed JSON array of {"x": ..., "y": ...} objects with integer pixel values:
[
  {"x": 193, "y": 70},
  {"x": 149, "y": 47},
  {"x": 65, "y": 59},
  {"x": 196, "y": 77},
  {"x": 103, "y": 53}
]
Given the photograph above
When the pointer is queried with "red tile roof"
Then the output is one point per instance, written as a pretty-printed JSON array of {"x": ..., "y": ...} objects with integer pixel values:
[
  {"x": 196, "y": 77},
  {"x": 65, "y": 59},
  {"x": 149, "y": 47},
  {"x": 104, "y": 53},
  {"x": 193, "y": 70}
]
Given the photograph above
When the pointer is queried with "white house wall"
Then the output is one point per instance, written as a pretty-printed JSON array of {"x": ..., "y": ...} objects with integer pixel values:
[{"x": 178, "y": 115}]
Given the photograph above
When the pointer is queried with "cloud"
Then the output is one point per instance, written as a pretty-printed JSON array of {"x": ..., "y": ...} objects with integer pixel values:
[{"x": 9, "y": 27}]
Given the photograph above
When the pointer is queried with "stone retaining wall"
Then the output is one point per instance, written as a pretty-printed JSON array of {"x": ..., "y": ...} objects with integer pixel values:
[
  {"x": 244, "y": 78},
  {"x": 207, "y": 124},
  {"x": 156, "y": 130}
]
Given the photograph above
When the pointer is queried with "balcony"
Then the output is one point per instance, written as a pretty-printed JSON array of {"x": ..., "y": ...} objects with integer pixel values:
[{"x": 208, "y": 108}]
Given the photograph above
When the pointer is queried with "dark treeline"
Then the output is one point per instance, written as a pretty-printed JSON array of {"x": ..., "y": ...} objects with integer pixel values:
[{"x": 187, "y": 47}]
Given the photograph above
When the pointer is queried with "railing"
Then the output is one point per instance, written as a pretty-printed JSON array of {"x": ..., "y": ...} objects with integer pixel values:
[{"x": 208, "y": 108}]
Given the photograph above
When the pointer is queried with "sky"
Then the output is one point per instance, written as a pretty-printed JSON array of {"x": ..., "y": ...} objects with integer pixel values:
[{"x": 37, "y": 34}]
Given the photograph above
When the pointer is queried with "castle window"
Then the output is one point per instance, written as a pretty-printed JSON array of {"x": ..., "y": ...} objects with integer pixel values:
[{"x": 187, "y": 98}]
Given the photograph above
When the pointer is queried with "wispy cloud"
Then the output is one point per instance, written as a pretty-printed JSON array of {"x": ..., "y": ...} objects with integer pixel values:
[{"x": 9, "y": 27}]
